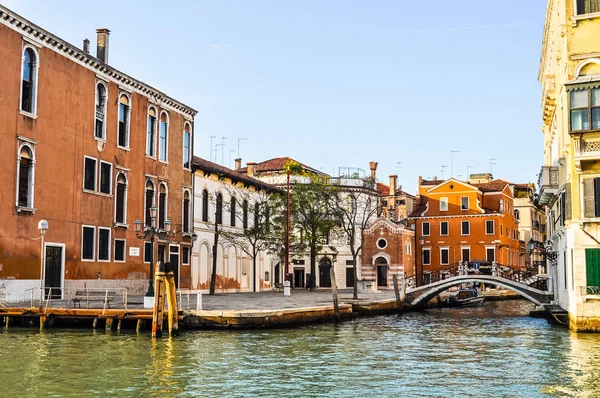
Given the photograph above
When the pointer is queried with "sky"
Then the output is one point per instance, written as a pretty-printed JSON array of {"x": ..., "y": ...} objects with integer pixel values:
[{"x": 336, "y": 83}]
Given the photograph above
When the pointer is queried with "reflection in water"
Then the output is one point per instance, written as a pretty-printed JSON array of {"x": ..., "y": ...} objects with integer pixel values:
[{"x": 494, "y": 350}]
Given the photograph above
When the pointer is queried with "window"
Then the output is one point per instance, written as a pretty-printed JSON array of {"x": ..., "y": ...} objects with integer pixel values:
[
  {"x": 444, "y": 256},
  {"x": 501, "y": 206},
  {"x": 587, "y": 6},
  {"x": 205, "y": 205},
  {"x": 464, "y": 228},
  {"x": 381, "y": 243},
  {"x": 162, "y": 205},
  {"x": 120, "y": 250},
  {"x": 444, "y": 228},
  {"x": 443, "y": 204},
  {"x": 149, "y": 201},
  {"x": 105, "y": 177},
  {"x": 186, "y": 211},
  {"x": 151, "y": 133},
  {"x": 408, "y": 248},
  {"x": 326, "y": 237},
  {"x": 591, "y": 198},
  {"x": 29, "y": 80},
  {"x": 517, "y": 215},
  {"x": 464, "y": 203},
  {"x": 89, "y": 174},
  {"x": 123, "y": 133},
  {"x": 233, "y": 215},
  {"x": 245, "y": 214},
  {"x": 121, "y": 199},
  {"x": 88, "y": 237},
  {"x": 103, "y": 244},
  {"x": 426, "y": 256},
  {"x": 466, "y": 254},
  {"x": 101, "y": 98},
  {"x": 187, "y": 141},
  {"x": 163, "y": 138},
  {"x": 501, "y": 229},
  {"x": 147, "y": 251},
  {"x": 489, "y": 227},
  {"x": 219, "y": 210},
  {"x": 425, "y": 229},
  {"x": 185, "y": 255},
  {"x": 490, "y": 254},
  {"x": 25, "y": 177},
  {"x": 508, "y": 232},
  {"x": 384, "y": 203}
]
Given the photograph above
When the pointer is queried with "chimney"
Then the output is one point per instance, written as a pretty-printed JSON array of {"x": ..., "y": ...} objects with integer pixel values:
[
  {"x": 373, "y": 167},
  {"x": 86, "y": 46},
  {"x": 399, "y": 187},
  {"x": 238, "y": 163},
  {"x": 393, "y": 184},
  {"x": 102, "y": 44},
  {"x": 250, "y": 166}
]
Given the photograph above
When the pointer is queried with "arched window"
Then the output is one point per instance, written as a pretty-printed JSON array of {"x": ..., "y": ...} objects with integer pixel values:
[
  {"x": 186, "y": 211},
  {"x": 25, "y": 177},
  {"x": 121, "y": 199},
  {"x": 29, "y": 80},
  {"x": 149, "y": 201},
  {"x": 163, "y": 137},
  {"x": 99, "y": 131},
  {"x": 162, "y": 205},
  {"x": 123, "y": 134},
  {"x": 233, "y": 215},
  {"x": 151, "y": 133},
  {"x": 219, "y": 215},
  {"x": 245, "y": 214},
  {"x": 205, "y": 205},
  {"x": 187, "y": 145}
]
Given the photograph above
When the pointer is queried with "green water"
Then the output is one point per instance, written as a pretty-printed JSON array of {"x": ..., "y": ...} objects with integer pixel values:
[{"x": 491, "y": 351}]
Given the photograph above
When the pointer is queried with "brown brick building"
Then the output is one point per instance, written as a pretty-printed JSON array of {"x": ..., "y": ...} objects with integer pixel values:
[
  {"x": 394, "y": 203},
  {"x": 388, "y": 249},
  {"x": 89, "y": 149},
  {"x": 457, "y": 221}
]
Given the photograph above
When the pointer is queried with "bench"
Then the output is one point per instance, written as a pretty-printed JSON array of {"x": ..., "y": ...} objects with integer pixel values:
[{"x": 92, "y": 295}]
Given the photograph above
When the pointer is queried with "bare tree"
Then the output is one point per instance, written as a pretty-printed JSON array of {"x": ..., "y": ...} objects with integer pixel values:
[{"x": 354, "y": 210}]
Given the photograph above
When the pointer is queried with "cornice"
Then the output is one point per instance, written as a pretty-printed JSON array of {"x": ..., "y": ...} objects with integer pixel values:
[{"x": 44, "y": 38}]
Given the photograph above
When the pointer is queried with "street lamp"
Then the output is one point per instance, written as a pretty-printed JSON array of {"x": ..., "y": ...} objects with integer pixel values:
[
  {"x": 152, "y": 231},
  {"x": 43, "y": 228}
]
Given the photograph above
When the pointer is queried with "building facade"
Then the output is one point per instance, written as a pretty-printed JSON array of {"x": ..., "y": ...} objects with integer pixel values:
[
  {"x": 227, "y": 198},
  {"x": 394, "y": 203},
  {"x": 570, "y": 177},
  {"x": 89, "y": 149},
  {"x": 532, "y": 226},
  {"x": 457, "y": 222}
]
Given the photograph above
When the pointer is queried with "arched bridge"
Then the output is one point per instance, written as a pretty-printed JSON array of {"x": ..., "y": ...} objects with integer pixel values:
[{"x": 421, "y": 295}]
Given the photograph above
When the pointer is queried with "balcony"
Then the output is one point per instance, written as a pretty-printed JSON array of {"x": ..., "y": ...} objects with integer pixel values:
[
  {"x": 548, "y": 183},
  {"x": 586, "y": 150}
]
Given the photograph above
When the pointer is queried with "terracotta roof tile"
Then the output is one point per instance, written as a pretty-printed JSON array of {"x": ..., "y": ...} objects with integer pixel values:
[
  {"x": 277, "y": 164},
  {"x": 431, "y": 182},
  {"x": 417, "y": 212},
  {"x": 383, "y": 189},
  {"x": 492, "y": 186},
  {"x": 227, "y": 172}
]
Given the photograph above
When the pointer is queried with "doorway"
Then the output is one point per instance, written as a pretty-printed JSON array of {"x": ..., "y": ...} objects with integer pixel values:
[
  {"x": 382, "y": 271},
  {"x": 325, "y": 272},
  {"x": 174, "y": 260},
  {"x": 53, "y": 270},
  {"x": 299, "y": 277},
  {"x": 350, "y": 277}
]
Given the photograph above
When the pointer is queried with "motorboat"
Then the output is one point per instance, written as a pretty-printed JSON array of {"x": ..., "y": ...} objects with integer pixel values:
[{"x": 464, "y": 298}]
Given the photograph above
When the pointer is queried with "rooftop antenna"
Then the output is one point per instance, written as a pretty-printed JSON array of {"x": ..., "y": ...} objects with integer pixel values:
[
  {"x": 230, "y": 152},
  {"x": 444, "y": 167},
  {"x": 492, "y": 162},
  {"x": 469, "y": 167},
  {"x": 223, "y": 150},
  {"x": 211, "y": 147},
  {"x": 216, "y": 149},
  {"x": 451, "y": 163},
  {"x": 240, "y": 139}
]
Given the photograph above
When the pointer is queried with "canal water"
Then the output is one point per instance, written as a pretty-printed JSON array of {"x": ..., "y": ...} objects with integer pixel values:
[{"x": 491, "y": 351}]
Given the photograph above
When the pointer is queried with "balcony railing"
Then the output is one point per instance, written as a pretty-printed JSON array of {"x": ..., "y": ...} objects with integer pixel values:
[
  {"x": 548, "y": 183},
  {"x": 590, "y": 292}
]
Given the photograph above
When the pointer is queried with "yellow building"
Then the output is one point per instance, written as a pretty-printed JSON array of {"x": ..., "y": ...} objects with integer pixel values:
[{"x": 570, "y": 178}]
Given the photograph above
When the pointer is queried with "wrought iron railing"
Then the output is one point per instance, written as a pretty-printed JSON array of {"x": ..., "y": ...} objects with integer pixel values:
[{"x": 590, "y": 290}]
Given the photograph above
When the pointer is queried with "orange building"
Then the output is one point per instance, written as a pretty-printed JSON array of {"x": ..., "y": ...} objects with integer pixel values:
[
  {"x": 457, "y": 222},
  {"x": 89, "y": 149}
]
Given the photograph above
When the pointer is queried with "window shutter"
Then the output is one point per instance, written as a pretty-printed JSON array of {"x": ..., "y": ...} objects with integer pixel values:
[
  {"x": 568, "y": 207},
  {"x": 589, "y": 200},
  {"x": 592, "y": 267}
]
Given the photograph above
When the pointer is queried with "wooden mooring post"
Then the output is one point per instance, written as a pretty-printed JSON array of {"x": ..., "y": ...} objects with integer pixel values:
[
  {"x": 336, "y": 307},
  {"x": 159, "y": 304},
  {"x": 172, "y": 305},
  {"x": 399, "y": 302}
]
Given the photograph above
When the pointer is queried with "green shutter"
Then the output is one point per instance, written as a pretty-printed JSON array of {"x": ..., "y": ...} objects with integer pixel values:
[{"x": 592, "y": 267}]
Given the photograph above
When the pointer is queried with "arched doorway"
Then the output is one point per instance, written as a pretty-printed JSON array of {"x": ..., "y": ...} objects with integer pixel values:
[
  {"x": 382, "y": 272},
  {"x": 324, "y": 272}
]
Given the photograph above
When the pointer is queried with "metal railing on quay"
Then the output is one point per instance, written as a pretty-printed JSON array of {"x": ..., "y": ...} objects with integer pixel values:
[
  {"x": 185, "y": 299},
  {"x": 86, "y": 298}
]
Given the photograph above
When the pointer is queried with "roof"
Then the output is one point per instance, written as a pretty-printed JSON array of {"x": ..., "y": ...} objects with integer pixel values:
[
  {"x": 431, "y": 182},
  {"x": 278, "y": 164},
  {"x": 27, "y": 28},
  {"x": 417, "y": 212},
  {"x": 492, "y": 186},
  {"x": 203, "y": 164},
  {"x": 384, "y": 190}
]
